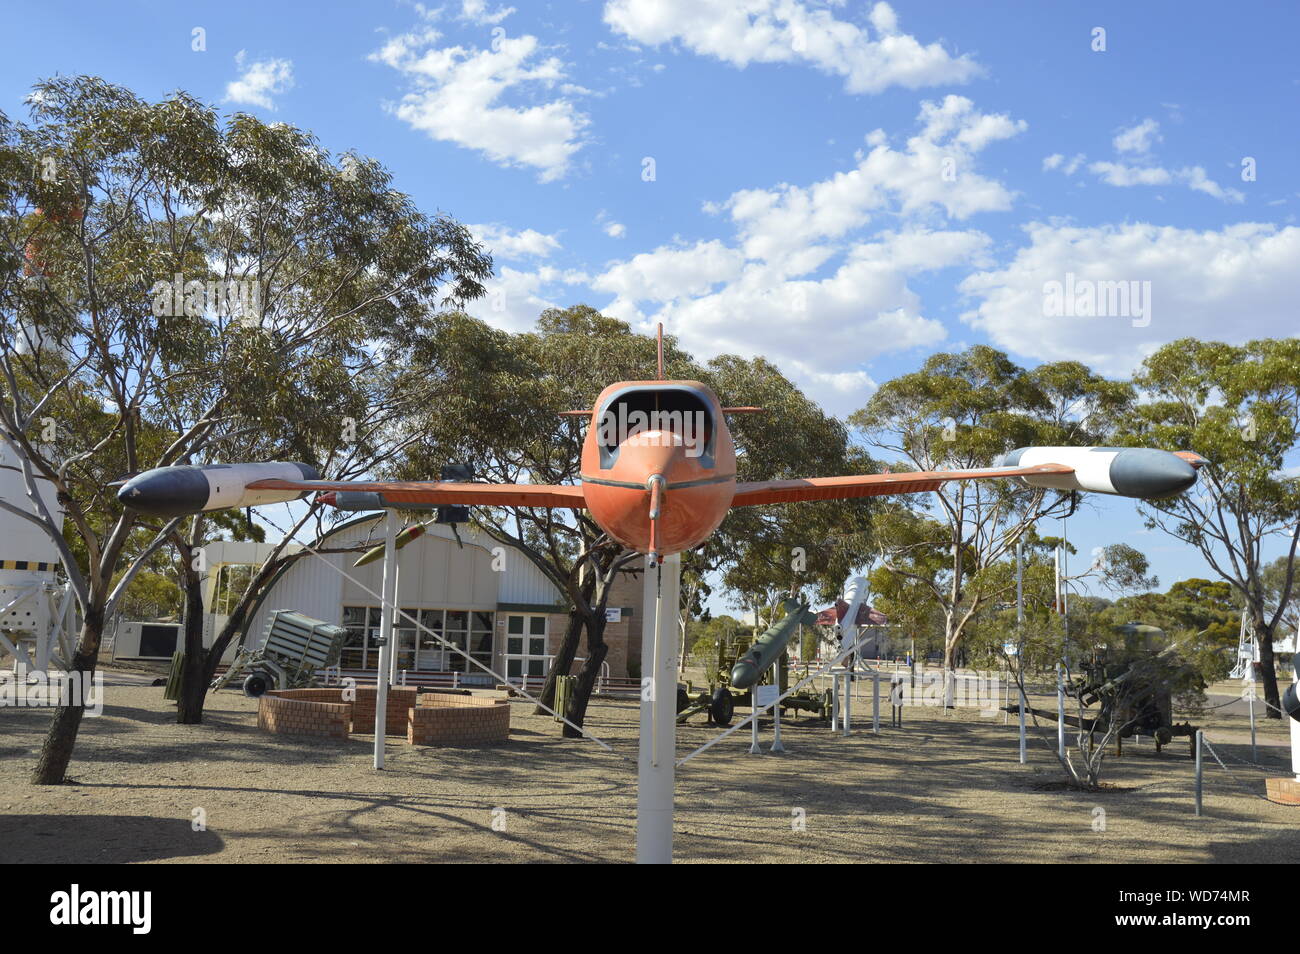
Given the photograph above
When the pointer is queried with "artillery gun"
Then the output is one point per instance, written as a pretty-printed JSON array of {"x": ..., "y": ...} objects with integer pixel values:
[
  {"x": 1134, "y": 687},
  {"x": 743, "y": 663}
]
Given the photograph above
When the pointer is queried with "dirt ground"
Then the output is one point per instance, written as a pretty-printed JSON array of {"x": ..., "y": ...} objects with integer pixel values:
[{"x": 943, "y": 788}]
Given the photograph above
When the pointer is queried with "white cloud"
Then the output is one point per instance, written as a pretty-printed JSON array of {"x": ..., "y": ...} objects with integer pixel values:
[
  {"x": 457, "y": 97},
  {"x": 933, "y": 175},
  {"x": 505, "y": 243},
  {"x": 741, "y": 32},
  {"x": 822, "y": 331},
  {"x": 800, "y": 284},
  {"x": 1237, "y": 283},
  {"x": 1119, "y": 174},
  {"x": 615, "y": 230},
  {"x": 476, "y": 12},
  {"x": 516, "y": 297},
  {"x": 1139, "y": 138},
  {"x": 1058, "y": 161},
  {"x": 259, "y": 81},
  {"x": 1138, "y": 167},
  {"x": 672, "y": 272},
  {"x": 1194, "y": 177}
]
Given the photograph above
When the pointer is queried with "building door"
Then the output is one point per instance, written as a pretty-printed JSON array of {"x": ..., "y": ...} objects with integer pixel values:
[
  {"x": 526, "y": 650},
  {"x": 430, "y": 655}
]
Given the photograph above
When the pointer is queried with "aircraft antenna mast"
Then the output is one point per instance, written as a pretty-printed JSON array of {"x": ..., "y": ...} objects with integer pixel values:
[{"x": 661, "y": 351}]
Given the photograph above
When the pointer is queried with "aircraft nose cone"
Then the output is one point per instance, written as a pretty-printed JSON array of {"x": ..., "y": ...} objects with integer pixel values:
[
  {"x": 1153, "y": 474},
  {"x": 166, "y": 491}
]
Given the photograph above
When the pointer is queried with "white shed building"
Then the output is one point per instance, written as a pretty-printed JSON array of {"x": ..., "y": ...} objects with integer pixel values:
[{"x": 486, "y": 598}]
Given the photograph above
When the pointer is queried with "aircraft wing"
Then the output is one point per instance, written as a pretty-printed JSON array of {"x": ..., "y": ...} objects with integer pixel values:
[
  {"x": 873, "y": 485},
  {"x": 442, "y": 493}
]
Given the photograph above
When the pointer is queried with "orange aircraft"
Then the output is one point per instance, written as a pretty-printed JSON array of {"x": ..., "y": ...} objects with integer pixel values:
[{"x": 658, "y": 474}]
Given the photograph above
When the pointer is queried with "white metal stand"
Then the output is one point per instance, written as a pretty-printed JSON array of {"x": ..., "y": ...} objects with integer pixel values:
[
  {"x": 658, "y": 749},
  {"x": 388, "y": 610},
  {"x": 1023, "y": 703},
  {"x": 875, "y": 700},
  {"x": 1060, "y": 711},
  {"x": 848, "y": 701},
  {"x": 835, "y": 702},
  {"x": 1295, "y": 748},
  {"x": 393, "y": 651},
  {"x": 776, "y": 710}
]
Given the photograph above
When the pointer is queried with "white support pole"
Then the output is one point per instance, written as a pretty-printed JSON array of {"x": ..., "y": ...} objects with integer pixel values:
[
  {"x": 835, "y": 701},
  {"x": 397, "y": 589},
  {"x": 848, "y": 700},
  {"x": 658, "y": 749},
  {"x": 386, "y": 612},
  {"x": 1250, "y": 705},
  {"x": 776, "y": 710},
  {"x": 1200, "y": 784},
  {"x": 1295, "y": 748},
  {"x": 1060, "y": 711},
  {"x": 1020, "y": 622},
  {"x": 754, "y": 748},
  {"x": 1023, "y": 704},
  {"x": 875, "y": 700}
]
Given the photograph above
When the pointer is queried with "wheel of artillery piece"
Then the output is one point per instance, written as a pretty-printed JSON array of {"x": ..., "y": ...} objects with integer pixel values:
[
  {"x": 828, "y": 704},
  {"x": 683, "y": 699},
  {"x": 256, "y": 684},
  {"x": 722, "y": 708}
]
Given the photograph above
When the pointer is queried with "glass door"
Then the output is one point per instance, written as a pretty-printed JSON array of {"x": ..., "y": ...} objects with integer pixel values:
[
  {"x": 404, "y": 634},
  {"x": 457, "y": 634},
  {"x": 480, "y": 640},
  {"x": 429, "y": 654},
  {"x": 526, "y": 646}
]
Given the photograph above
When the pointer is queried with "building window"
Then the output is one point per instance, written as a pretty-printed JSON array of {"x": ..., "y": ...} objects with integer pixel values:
[
  {"x": 417, "y": 649},
  {"x": 526, "y": 649}
]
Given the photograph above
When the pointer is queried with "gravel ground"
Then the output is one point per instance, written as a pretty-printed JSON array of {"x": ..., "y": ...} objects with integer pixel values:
[{"x": 943, "y": 788}]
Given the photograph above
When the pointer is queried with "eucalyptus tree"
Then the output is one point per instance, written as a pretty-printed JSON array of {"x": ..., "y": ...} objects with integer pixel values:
[
  {"x": 1239, "y": 407},
  {"x": 177, "y": 289},
  {"x": 949, "y": 550}
]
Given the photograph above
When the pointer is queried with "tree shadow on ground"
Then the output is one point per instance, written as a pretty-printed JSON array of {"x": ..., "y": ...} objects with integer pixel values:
[{"x": 117, "y": 839}]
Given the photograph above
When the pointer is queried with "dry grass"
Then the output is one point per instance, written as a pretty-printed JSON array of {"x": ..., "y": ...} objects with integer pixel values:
[{"x": 943, "y": 788}]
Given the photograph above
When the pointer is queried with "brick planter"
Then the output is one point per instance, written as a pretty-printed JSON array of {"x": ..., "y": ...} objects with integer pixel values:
[
  {"x": 321, "y": 713},
  {"x": 431, "y": 718},
  {"x": 400, "y": 699},
  {"x": 446, "y": 719},
  {"x": 1284, "y": 790}
]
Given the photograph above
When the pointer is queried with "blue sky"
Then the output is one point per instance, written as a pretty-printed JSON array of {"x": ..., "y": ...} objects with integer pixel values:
[{"x": 843, "y": 187}]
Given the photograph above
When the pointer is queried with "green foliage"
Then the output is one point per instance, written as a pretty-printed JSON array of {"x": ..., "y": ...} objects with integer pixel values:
[{"x": 1239, "y": 407}]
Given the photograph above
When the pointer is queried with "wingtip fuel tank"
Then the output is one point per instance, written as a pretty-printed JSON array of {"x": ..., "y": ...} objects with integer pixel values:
[
  {"x": 184, "y": 489},
  {"x": 1120, "y": 471}
]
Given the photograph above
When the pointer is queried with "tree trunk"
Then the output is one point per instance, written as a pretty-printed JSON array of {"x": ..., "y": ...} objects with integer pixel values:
[
  {"x": 561, "y": 664},
  {"x": 950, "y": 639},
  {"x": 1267, "y": 668},
  {"x": 194, "y": 665},
  {"x": 596, "y": 652},
  {"x": 56, "y": 751}
]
